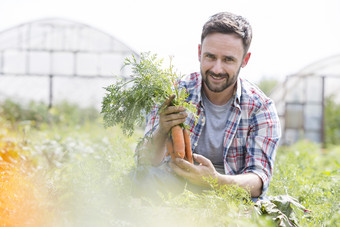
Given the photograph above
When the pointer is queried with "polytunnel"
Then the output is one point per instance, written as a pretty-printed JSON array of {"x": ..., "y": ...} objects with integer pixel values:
[
  {"x": 52, "y": 60},
  {"x": 300, "y": 100}
]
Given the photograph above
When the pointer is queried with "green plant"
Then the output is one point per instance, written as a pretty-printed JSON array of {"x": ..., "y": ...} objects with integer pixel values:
[
  {"x": 311, "y": 175},
  {"x": 37, "y": 114},
  {"x": 332, "y": 122},
  {"x": 85, "y": 170},
  {"x": 72, "y": 114},
  {"x": 81, "y": 177},
  {"x": 127, "y": 102},
  {"x": 267, "y": 84}
]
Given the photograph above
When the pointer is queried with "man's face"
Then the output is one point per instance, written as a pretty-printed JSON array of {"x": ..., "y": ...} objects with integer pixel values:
[{"x": 221, "y": 57}]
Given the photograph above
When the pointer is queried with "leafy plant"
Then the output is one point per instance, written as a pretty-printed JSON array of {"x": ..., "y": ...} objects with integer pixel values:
[
  {"x": 79, "y": 176},
  {"x": 38, "y": 114},
  {"x": 127, "y": 102},
  {"x": 310, "y": 175},
  {"x": 332, "y": 121},
  {"x": 20, "y": 196},
  {"x": 267, "y": 84}
]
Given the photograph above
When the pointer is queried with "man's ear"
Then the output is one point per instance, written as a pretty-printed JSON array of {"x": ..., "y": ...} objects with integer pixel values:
[
  {"x": 245, "y": 60},
  {"x": 199, "y": 52}
]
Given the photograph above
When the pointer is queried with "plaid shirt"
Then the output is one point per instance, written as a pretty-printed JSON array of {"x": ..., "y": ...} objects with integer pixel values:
[{"x": 252, "y": 131}]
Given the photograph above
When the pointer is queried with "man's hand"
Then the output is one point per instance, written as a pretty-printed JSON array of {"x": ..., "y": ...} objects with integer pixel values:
[
  {"x": 170, "y": 116},
  {"x": 195, "y": 173}
]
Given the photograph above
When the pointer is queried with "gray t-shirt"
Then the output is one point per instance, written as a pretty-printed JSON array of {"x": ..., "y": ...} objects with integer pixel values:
[{"x": 210, "y": 143}]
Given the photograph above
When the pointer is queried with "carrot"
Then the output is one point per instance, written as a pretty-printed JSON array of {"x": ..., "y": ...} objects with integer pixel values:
[
  {"x": 178, "y": 141},
  {"x": 170, "y": 148},
  {"x": 187, "y": 141}
]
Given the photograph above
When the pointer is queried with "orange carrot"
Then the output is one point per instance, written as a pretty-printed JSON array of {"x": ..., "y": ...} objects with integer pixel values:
[
  {"x": 178, "y": 141},
  {"x": 187, "y": 141},
  {"x": 170, "y": 148}
]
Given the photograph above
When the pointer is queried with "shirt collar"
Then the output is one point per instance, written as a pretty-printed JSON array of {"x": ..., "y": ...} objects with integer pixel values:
[{"x": 238, "y": 92}]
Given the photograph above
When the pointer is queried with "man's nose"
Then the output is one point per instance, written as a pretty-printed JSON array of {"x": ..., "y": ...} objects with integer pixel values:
[{"x": 218, "y": 67}]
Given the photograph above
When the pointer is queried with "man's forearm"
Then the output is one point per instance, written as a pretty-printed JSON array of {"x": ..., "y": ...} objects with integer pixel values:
[
  {"x": 248, "y": 181},
  {"x": 154, "y": 148}
]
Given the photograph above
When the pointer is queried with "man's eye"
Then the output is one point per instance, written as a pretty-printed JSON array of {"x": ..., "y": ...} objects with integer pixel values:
[
  {"x": 210, "y": 56},
  {"x": 227, "y": 59}
]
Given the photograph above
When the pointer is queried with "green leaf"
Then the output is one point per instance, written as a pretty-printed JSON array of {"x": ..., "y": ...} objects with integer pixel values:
[{"x": 127, "y": 102}]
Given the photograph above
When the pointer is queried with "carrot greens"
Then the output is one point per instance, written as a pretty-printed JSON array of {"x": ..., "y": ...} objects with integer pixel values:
[{"x": 127, "y": 101}]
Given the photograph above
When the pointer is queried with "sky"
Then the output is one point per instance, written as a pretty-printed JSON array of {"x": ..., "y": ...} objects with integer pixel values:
[{"x": 287, "y": 34}]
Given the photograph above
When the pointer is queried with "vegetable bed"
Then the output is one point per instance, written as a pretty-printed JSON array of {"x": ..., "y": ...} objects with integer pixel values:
[{"x": 79, "y": 175}]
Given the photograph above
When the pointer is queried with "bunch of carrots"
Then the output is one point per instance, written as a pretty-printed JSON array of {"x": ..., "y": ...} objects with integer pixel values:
[{"x": 179, "y": 144}]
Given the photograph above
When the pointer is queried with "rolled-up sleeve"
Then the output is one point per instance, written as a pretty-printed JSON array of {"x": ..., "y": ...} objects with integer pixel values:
[{"x": 152, "y": 121}]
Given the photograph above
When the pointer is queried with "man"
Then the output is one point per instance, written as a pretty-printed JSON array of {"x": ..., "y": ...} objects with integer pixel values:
[{"x": 238, "y": 130}]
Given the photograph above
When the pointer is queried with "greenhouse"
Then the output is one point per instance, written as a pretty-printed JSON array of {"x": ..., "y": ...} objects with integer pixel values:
[
  {"x": 52, "y": 60},
  {"x": 300, "y": 100},
  {"x": 68, "y": 160}
]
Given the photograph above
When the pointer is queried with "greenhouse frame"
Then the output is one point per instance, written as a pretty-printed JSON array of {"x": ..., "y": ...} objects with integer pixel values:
[
  {"x": 52, "y": 60},
  {"x": 300, "y": 100}
]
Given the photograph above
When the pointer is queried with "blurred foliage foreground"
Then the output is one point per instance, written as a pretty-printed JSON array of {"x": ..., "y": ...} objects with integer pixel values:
[{"x": 60, "y": 167}]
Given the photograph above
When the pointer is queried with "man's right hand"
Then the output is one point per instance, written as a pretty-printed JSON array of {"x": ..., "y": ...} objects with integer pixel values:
[{"x": 170, "y": 115}]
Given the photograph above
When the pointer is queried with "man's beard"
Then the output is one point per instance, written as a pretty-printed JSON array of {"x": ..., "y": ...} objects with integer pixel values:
[{"x": 229, "y": 80}]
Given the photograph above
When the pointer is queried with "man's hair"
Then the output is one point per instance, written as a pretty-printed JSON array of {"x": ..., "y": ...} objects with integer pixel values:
[{"x": 228, "y": 23}]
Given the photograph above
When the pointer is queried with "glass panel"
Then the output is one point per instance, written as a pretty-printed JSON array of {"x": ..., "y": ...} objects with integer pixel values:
[
  {"x": 294, "y": 116},
  {"x": 82, "y": 91},
  {"x": 63, "y": 63},
  {"x": 313, "y": 117},
  {"x": 38, "y": 38},
  {"x": 110, "y": 64},
  {"x": 71, "y": 39},
  {"x": 39, "y": 63},
  {"x": 1, "y": 62},
  {"x": 87, "y": 64},
  {"x": 313, "y": 89},
  {"x": 313, "y": 136},
  {"x": 15, "y": 62},
  {"x": 295, "y": 92},
  {"x": 9, "y": 39},
  {"x": 25, "y": 88}
]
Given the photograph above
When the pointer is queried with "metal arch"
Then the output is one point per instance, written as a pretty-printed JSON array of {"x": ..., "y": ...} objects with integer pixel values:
[
  {"x": 318, "y": 65},
  {"x": 24, "y": 30}
]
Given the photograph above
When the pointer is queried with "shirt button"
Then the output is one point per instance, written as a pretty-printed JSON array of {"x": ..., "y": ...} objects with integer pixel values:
[{"x": 195, "y": 144}]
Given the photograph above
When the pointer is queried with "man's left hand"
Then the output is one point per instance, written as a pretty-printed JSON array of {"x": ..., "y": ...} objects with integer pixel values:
[{"x": 196, "y": 174}]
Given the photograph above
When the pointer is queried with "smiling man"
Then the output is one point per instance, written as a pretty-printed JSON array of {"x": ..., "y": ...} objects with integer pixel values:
[{"x": 237, "y": 134}]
